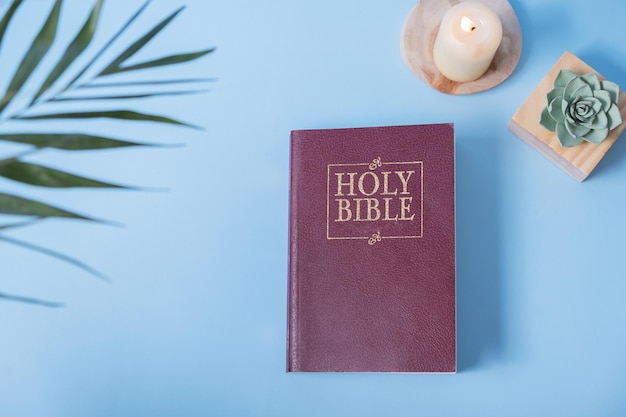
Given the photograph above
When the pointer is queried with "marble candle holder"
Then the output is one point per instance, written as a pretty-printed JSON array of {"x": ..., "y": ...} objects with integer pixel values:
[{"x": 418, "y": 39}]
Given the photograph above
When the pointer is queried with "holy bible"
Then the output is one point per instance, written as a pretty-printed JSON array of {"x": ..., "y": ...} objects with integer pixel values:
[{"x": 372, "y": 250}]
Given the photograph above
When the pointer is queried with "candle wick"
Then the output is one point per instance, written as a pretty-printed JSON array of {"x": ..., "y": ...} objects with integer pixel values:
[{"x": 467, "y": 25}]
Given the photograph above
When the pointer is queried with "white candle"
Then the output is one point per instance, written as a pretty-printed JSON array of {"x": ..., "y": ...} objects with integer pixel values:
[{"x": 468, "y": 38}]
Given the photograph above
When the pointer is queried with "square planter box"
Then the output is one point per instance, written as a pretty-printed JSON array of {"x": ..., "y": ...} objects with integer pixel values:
[{"x": 580, "y": 160}]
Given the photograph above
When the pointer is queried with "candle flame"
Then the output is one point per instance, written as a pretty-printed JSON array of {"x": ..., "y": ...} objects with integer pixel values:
[{"x": 467, "y": 25}]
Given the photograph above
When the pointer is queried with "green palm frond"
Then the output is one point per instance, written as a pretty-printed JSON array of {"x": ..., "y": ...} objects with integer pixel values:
[
  {"x": 128, "y": 96},
  {"x": 167, "y": 60},
  {"x": 115, "y": 66},
  {"x": 17, "y": 168},
  {"x": 19, "y": 206},
  {"x": 78, "y": 45},
  {"x": 152, "y": 83},
  {"x": 108, "y": 114},
  {"x": 7, "y": 18},
  {"x": 106, "y": 46},
  {"x": 35, "y": 174},
  {"x": 67, "y": 141},
  {"x": 35, "y": 54}
]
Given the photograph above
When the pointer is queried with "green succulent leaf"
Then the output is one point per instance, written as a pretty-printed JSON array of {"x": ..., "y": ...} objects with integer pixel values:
[
  {"x": 557, "y": 92},
  {"x": 564, "y": 77},
  {"x": 577, "y": 130},
  {"x": 604, "y": 97},
  {"x": 583, "y": 91},
  {"x": 596, "y": 135},
  {"x": 600, "y": 121},
  {"x": 613, "y": 89},
  {"x": 168, "y": 60},
  {"x": 596, "y": 104},
  {"x": 111, "y": 114},
  {"x": 565, "y": 138},
  {"x": 547, "y": 121},
  {"x": 614, "y": 116},
  {"x": 35, "y": 54},
  {"x": 76, "y": 47},
  {"x": 7, "y": 18},
  {"x": 585, "y": 108},
  {"x": 556, "y": 108},
  {"x": 572, "y": 86},
  {"x": 67, "y": 141},
  {"x": 114, "y": 66},
  {"x": 593, "y": 81},
  {"x": 41, "y": 176},
  {"x": 14, "y": 205}
]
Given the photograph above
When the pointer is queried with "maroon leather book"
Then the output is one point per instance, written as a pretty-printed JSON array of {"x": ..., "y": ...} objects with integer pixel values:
[{"x": 372, "y": 250}]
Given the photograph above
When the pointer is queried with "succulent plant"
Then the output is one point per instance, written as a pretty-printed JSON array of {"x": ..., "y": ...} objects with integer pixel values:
[{"x": 581, "y": 108}]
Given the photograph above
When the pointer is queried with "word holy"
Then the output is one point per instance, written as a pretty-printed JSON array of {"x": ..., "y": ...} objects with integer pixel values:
[{"x": 374, "y": 196}]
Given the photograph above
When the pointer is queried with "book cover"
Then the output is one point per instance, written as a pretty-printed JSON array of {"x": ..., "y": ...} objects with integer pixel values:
[{"x": 372, "y": 250}]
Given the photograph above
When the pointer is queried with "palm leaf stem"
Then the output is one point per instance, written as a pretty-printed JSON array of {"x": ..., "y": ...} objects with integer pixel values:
[
  {"x": 30, "y": 300},
  {"x": 55, "y": 254},
  {"x": 19, "y": 224},
  {"x": 146, "y": 83}
]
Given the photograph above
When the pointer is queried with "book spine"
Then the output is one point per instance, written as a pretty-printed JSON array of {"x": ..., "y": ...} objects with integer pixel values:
[{"x": 292, "y": 314}]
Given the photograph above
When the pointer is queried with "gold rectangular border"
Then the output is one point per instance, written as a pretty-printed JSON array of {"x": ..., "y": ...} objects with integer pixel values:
[{"x": 328, "y": 237}]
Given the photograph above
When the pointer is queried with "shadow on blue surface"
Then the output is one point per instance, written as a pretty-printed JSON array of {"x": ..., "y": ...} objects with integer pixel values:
[
  {"x": 544, "y": 24},
  {"x": 479, "y": 282},
  {"x": 522, "y": 17},
  {"x": 602, "y": 60}
]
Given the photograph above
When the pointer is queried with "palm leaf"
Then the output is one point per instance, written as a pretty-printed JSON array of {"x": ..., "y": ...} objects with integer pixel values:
[
  {"x": 14, "y": 205},
  {"x": 110, "y": 114},
  {"x": 108, "y": 44},
  {"x": 35, "y": 54},
  {"x": 55, "y": 254},
  {"x": 34, "y": 174},
  {"x": 30, "y": 300},
  {"x": 17, "y": 225},
  {"x": 147, "y": 83},
  {"x": 114, "y": 66},
  {"x": 128, "y": 96},
  {"x": 168, "y": 60},
  {"x": 76, "y": 47},
  {"x": 68, "y": 141},
  {"x": 7, "y": 18}
]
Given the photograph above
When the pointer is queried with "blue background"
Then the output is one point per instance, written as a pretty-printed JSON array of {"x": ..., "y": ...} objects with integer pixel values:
[{"x": 193, "y": 322}]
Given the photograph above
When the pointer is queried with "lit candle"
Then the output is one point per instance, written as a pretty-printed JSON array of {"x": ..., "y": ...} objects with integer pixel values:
[{"x": 468, "y": 38}]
